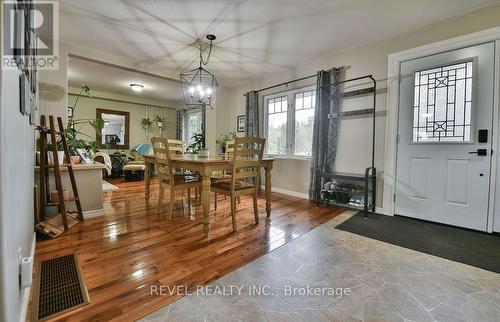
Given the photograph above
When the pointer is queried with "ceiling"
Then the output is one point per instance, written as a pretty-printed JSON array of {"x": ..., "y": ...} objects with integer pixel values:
[
  {"x": 255, "y": 38},
  {"x": 115, "y": 79}
]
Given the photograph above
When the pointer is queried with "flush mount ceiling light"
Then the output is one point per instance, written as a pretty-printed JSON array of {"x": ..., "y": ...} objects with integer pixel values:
[
  {"x": 136, "y": 87},
  {"x": 199, "y": 86}
]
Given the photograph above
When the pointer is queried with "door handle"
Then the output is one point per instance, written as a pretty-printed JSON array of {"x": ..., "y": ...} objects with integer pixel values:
[{"x": 480, "y": 152}]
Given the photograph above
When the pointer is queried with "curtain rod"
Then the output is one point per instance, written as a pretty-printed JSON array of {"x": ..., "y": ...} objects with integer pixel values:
[
  {"x": 123, "y": 101},
  {"x": 285, "y": 83},
  {"x": 291, "y": 81}
]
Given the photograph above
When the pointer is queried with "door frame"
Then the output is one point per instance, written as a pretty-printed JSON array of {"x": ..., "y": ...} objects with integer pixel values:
[{"x": 391, "y": 130}]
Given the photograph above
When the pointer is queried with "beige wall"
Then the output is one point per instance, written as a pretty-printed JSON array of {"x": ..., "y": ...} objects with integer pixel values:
[
  {"x": 354, "y": 135},
  {"x": 138, "y": 109}
]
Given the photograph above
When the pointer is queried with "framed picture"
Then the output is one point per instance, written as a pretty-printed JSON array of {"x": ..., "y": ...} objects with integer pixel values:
[
  {"x": 86, "y": 158},
  {"x": 241, "y": 123}
]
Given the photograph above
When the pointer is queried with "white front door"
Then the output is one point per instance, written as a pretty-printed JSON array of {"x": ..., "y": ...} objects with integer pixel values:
[{"x": 444, "y": 137}]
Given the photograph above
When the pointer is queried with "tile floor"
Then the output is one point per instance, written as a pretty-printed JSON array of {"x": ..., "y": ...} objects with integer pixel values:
[{"x": 386, "y": 283}]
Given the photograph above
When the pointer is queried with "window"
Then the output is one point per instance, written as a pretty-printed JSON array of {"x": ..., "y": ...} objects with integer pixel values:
[
  {"x": 289, "y": 123},
  {"x": 192, "y": 125},
  {"x": 277, "y": 125},
  {"x": 442, "y": 104},
  {"x": 304, "y": 122}
]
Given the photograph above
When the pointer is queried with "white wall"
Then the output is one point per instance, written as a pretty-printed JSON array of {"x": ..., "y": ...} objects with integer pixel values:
[
  {"x": 138, "y": 109},
  {"x": 16, "y": 195},
  {"x": 354, "y": 135},
  {"x": 49, "y": 104}
]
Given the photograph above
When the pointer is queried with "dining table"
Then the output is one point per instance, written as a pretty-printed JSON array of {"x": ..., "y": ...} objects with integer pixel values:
[{"x": 205, "y": 167}]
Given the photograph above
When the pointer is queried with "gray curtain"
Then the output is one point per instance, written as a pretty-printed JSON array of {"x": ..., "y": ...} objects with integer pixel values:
[
  {"x": 252, "y": 113},
  {"x": 204, "y": 126},
  {"x": 324, "y": 145},
  {"x": 179, "y": 123}
]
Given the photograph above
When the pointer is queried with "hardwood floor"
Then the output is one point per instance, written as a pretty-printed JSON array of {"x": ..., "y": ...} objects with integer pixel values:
[{"x": 133, "y": 247}]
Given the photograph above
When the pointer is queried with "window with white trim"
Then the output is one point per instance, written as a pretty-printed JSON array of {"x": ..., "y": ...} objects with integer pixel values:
[{"x": 289, "y": 118}]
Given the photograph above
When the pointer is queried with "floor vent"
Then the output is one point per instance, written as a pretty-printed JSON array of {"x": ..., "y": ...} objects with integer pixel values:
[{"x": 60, "y": 287}]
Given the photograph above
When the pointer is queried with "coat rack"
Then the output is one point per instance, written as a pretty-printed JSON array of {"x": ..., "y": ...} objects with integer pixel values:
[{"x": 370, "y": 176}]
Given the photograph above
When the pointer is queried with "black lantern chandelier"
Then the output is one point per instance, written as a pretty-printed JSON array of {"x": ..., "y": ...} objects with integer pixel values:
[{"x": 199, "y": 86}]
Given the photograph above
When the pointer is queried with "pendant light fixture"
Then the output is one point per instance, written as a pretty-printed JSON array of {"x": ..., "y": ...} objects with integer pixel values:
[{"x": 199, "y": 86}]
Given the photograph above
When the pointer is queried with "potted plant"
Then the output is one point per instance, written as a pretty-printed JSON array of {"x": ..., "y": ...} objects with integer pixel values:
[
  {"x": 146, "y": 123},
  {"x": 159, "y": 121},
  {"x": 197, "y": 143},
  {"x": 204, "y": 153},
  {"x": 223, "y": 138}
]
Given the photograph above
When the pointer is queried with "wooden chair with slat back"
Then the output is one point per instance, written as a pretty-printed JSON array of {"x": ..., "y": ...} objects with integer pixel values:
[
  {"x": 228, "y": 153},
  {"x": 164, "y": 152},
  {"x": 177, "y": 149},
  {"x": 176, "y": 146},
  {"x": 225, "y": 175},
  {"x": 247, "y": 160}
]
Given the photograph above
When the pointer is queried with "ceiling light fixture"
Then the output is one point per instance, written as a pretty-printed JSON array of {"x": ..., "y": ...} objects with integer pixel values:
[
  {"x": 136, "y": 87},
  {"x": 199, "y": 86}
]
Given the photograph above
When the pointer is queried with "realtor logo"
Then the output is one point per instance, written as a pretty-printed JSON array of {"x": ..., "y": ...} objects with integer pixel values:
[{"x": 30, "y": 35}]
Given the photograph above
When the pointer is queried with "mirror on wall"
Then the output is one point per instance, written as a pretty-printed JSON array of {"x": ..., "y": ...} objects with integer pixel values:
[{"x": 115, "y": 134}]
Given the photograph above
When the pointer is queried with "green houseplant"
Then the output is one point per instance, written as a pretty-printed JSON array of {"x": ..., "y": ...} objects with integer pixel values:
[
  {"x": 146, "y": 123},
  {"x": 75, "y": 136},
  {"x": 159, "y": 121},
  {"x": 197, "y": 143}
]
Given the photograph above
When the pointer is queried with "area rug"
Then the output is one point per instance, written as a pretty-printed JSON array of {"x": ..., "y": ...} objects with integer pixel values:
[
  {"x": 461, "y": 245},
  {"x": 108, "y": 186}
]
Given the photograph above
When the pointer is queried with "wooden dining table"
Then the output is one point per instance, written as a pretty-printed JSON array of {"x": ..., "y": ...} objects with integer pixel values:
[{"x": 205, "y": 167}]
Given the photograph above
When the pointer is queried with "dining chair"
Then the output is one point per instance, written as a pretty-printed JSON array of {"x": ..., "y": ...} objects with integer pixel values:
[
  {"x": 247, "y": 160},
  {"x": 228, "y": 152},
  {"x": 177, "y": 149},
  {"x": 170, "y": 178},
  {"x": 176, "y": 146},
  {"x": 219, "y": 176}
]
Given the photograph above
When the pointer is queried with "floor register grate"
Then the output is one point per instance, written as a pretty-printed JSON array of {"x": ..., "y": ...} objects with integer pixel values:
[{"x": 60, "y": 287}]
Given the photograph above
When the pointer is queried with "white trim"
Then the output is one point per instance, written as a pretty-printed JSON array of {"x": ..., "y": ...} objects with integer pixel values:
[
  {"x": 288, "y": 192},
  {"x": 393, "y": 75},
  {"x": 494, "y": 141},
  {"x": 93, "y": 213},
  {"x": 27, "y": 290},
  {"x": 290, "y": 131}
]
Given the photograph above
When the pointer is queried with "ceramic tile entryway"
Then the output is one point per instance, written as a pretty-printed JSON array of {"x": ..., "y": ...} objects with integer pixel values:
[{"x": 386, "y": 283}]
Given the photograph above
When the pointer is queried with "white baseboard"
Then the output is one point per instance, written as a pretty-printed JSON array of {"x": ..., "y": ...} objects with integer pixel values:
[
  {"x": 289, "y": 192},
  {"x": 25, "y": 297},
  {"x": 93, "y": 213}
]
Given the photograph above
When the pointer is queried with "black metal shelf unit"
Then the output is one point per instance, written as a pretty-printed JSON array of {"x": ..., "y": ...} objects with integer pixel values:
[{"x": 356, "y": 191}]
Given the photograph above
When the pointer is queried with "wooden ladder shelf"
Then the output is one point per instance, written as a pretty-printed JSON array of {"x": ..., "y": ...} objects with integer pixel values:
[{"x": 65, "y": 219}]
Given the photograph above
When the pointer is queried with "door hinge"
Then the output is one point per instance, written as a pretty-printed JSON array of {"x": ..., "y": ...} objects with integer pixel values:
[
  {"x": 394, "y": 197},
  {"x": 397, "y": 138}
]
